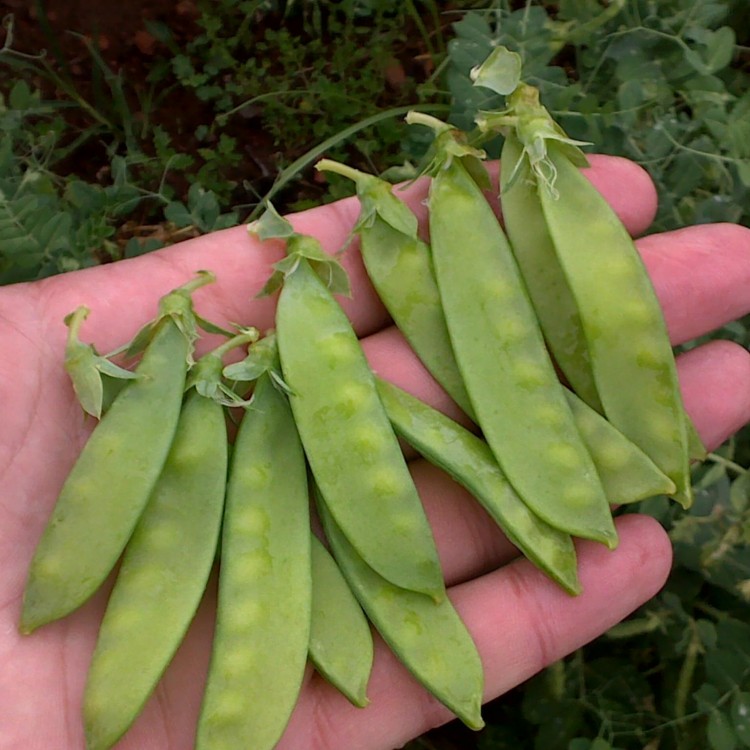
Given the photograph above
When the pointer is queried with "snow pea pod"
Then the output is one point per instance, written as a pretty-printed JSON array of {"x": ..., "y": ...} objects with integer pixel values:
[
  {"x": 263, "y": 612},
  {"x": 550, "y": 294},
  {"x": 349, "y": 442},
  {"x": 468, "y": 460},
  {"x": 162, "y": 577},
  {"x": 512, "y": 383},
  {"x": 629, "y": 349},
  {"x": 428, "y": 637},
  {"x": 627, "y": 473},
  {"x": 399, "y": 266},
  {"x": 110, "y": 483},
  {"x": 341, "y": 645}
]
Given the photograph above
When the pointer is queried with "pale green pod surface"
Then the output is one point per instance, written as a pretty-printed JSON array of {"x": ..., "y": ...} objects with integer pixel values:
[
  {"x": 349, "y": 442},
  {"x": 428, "y": 637},
  {"x": 400, "y": 269},
  {"x": 162, "y": 577},
  {"x": 341, "y": 645},
  {"x": 629, "y": 348},
  {"x": 545, "y": 280},
  {"x": 469, "y": 460},
  {"x": 627, "y": 473},
  {"x": 517, "y": 397},
  {"x": 265, "y": 588},
  {"x": 109, "y": 485}
]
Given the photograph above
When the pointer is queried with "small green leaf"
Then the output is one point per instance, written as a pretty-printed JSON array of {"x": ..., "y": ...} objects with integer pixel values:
[
  {"x": 500, "y": 72},
  {"x": 740, "y": 713},
  {"x": 86, "y": 367},
  {"x": 719, "y": 731},
  {"x": 271, "y": 225}
]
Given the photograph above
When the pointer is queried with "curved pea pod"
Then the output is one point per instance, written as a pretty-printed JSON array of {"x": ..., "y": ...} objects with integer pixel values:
[
  {"x": 631, "y": 356},
  {"x": 545, "y": 280},
  {"x": 468, "y": 460},
  {"x": 399, "y": 266},
  {"x": 512, "y": 383},
  {"x": 162, "y": 577},
  {"x": 349, "y": 442},
  {"x": 110, "y": 483},
  {"x": 428, "y": 637},
  {"x": 341, "y": 645},
  {"x": 265, "y": 589},
  {"x": 627, "y": 473}
]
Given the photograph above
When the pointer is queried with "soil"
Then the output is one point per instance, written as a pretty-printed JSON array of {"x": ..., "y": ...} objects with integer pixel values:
[{"x": 65, "y": 31}]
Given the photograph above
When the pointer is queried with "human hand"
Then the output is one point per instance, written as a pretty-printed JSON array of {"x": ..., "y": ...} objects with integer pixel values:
[{"x": 519, "y": 619}]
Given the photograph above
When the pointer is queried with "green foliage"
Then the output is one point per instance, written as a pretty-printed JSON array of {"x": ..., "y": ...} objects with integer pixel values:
[{"x": 651, "y": 81}]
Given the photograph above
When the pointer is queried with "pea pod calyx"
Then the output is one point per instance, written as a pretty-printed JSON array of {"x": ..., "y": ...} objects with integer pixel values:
[
  {"x": 177, "y": 306},
  {"x": 272, "y": 225},
  {"x": 87, "y": 368}
]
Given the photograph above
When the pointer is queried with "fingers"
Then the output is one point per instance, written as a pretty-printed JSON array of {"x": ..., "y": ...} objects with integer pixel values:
[
  {"x": 701, "y": 275},
  {"x": 715, "y": 382},
  {"x": 520, "y": 622},
  {"x": 242, "y": 265}
]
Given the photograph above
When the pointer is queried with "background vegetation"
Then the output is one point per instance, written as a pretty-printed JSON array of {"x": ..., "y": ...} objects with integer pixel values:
[{"x": 236, "y": 103}]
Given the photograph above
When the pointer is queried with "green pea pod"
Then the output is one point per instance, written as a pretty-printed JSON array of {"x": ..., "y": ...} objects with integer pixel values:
[
  {"x": 109, "y": 485},
  {"x": 265, "y": 590},
  {"x": 629, "y": 349},
  {"x": 627, "y": 473},
  {"x": 553, "y": 301},
  {"x": 341, "y": 645},
  {"x": 512, "y": 383},
  {"x": 352, "y": 449},
  {"x": 162, "y": 577},
  {"x": 468, "y": 459},
  {"x": 427, "y": 636},
  {"x": 399, "y": 266}
]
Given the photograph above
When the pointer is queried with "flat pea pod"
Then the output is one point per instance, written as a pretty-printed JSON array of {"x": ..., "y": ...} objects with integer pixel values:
[
  {"x": 627, "y": 473},
  {"x": 109, "y": 485},
  {"x": 162, "y": 577},
  {"x": 468, "y": 460},
  {"x": 513, "y": 386},
  {"x": 341, "y": 646},
  {"x": 428, "y": 637},
  {"x": 548, "y": 288},
  {"x": 630, "y": 353},
  {"x": 349, "y": 442},
  {"x": 399, "y": 266},
  {"x": 265, "y": 590}
]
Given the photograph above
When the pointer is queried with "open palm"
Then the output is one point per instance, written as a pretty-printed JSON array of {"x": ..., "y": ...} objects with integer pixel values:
[{"x": 520, "y": 620}]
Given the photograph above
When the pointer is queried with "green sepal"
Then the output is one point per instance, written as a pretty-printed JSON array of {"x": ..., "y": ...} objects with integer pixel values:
[
  {"x": 376, "y": 198},
  {"x": 537, "y": 131},
  {"x": 500, "y": 71},
  {"x": 303, "y": 247},
  {"x": 262, "y": 358},
  {"x": 450, "y": 143},
  {"x": 271, "y": 225},
  {"x": 87, "y": 368},
  {"x": 206, "y": 374},
  {"x": 177, "y": 305}
]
